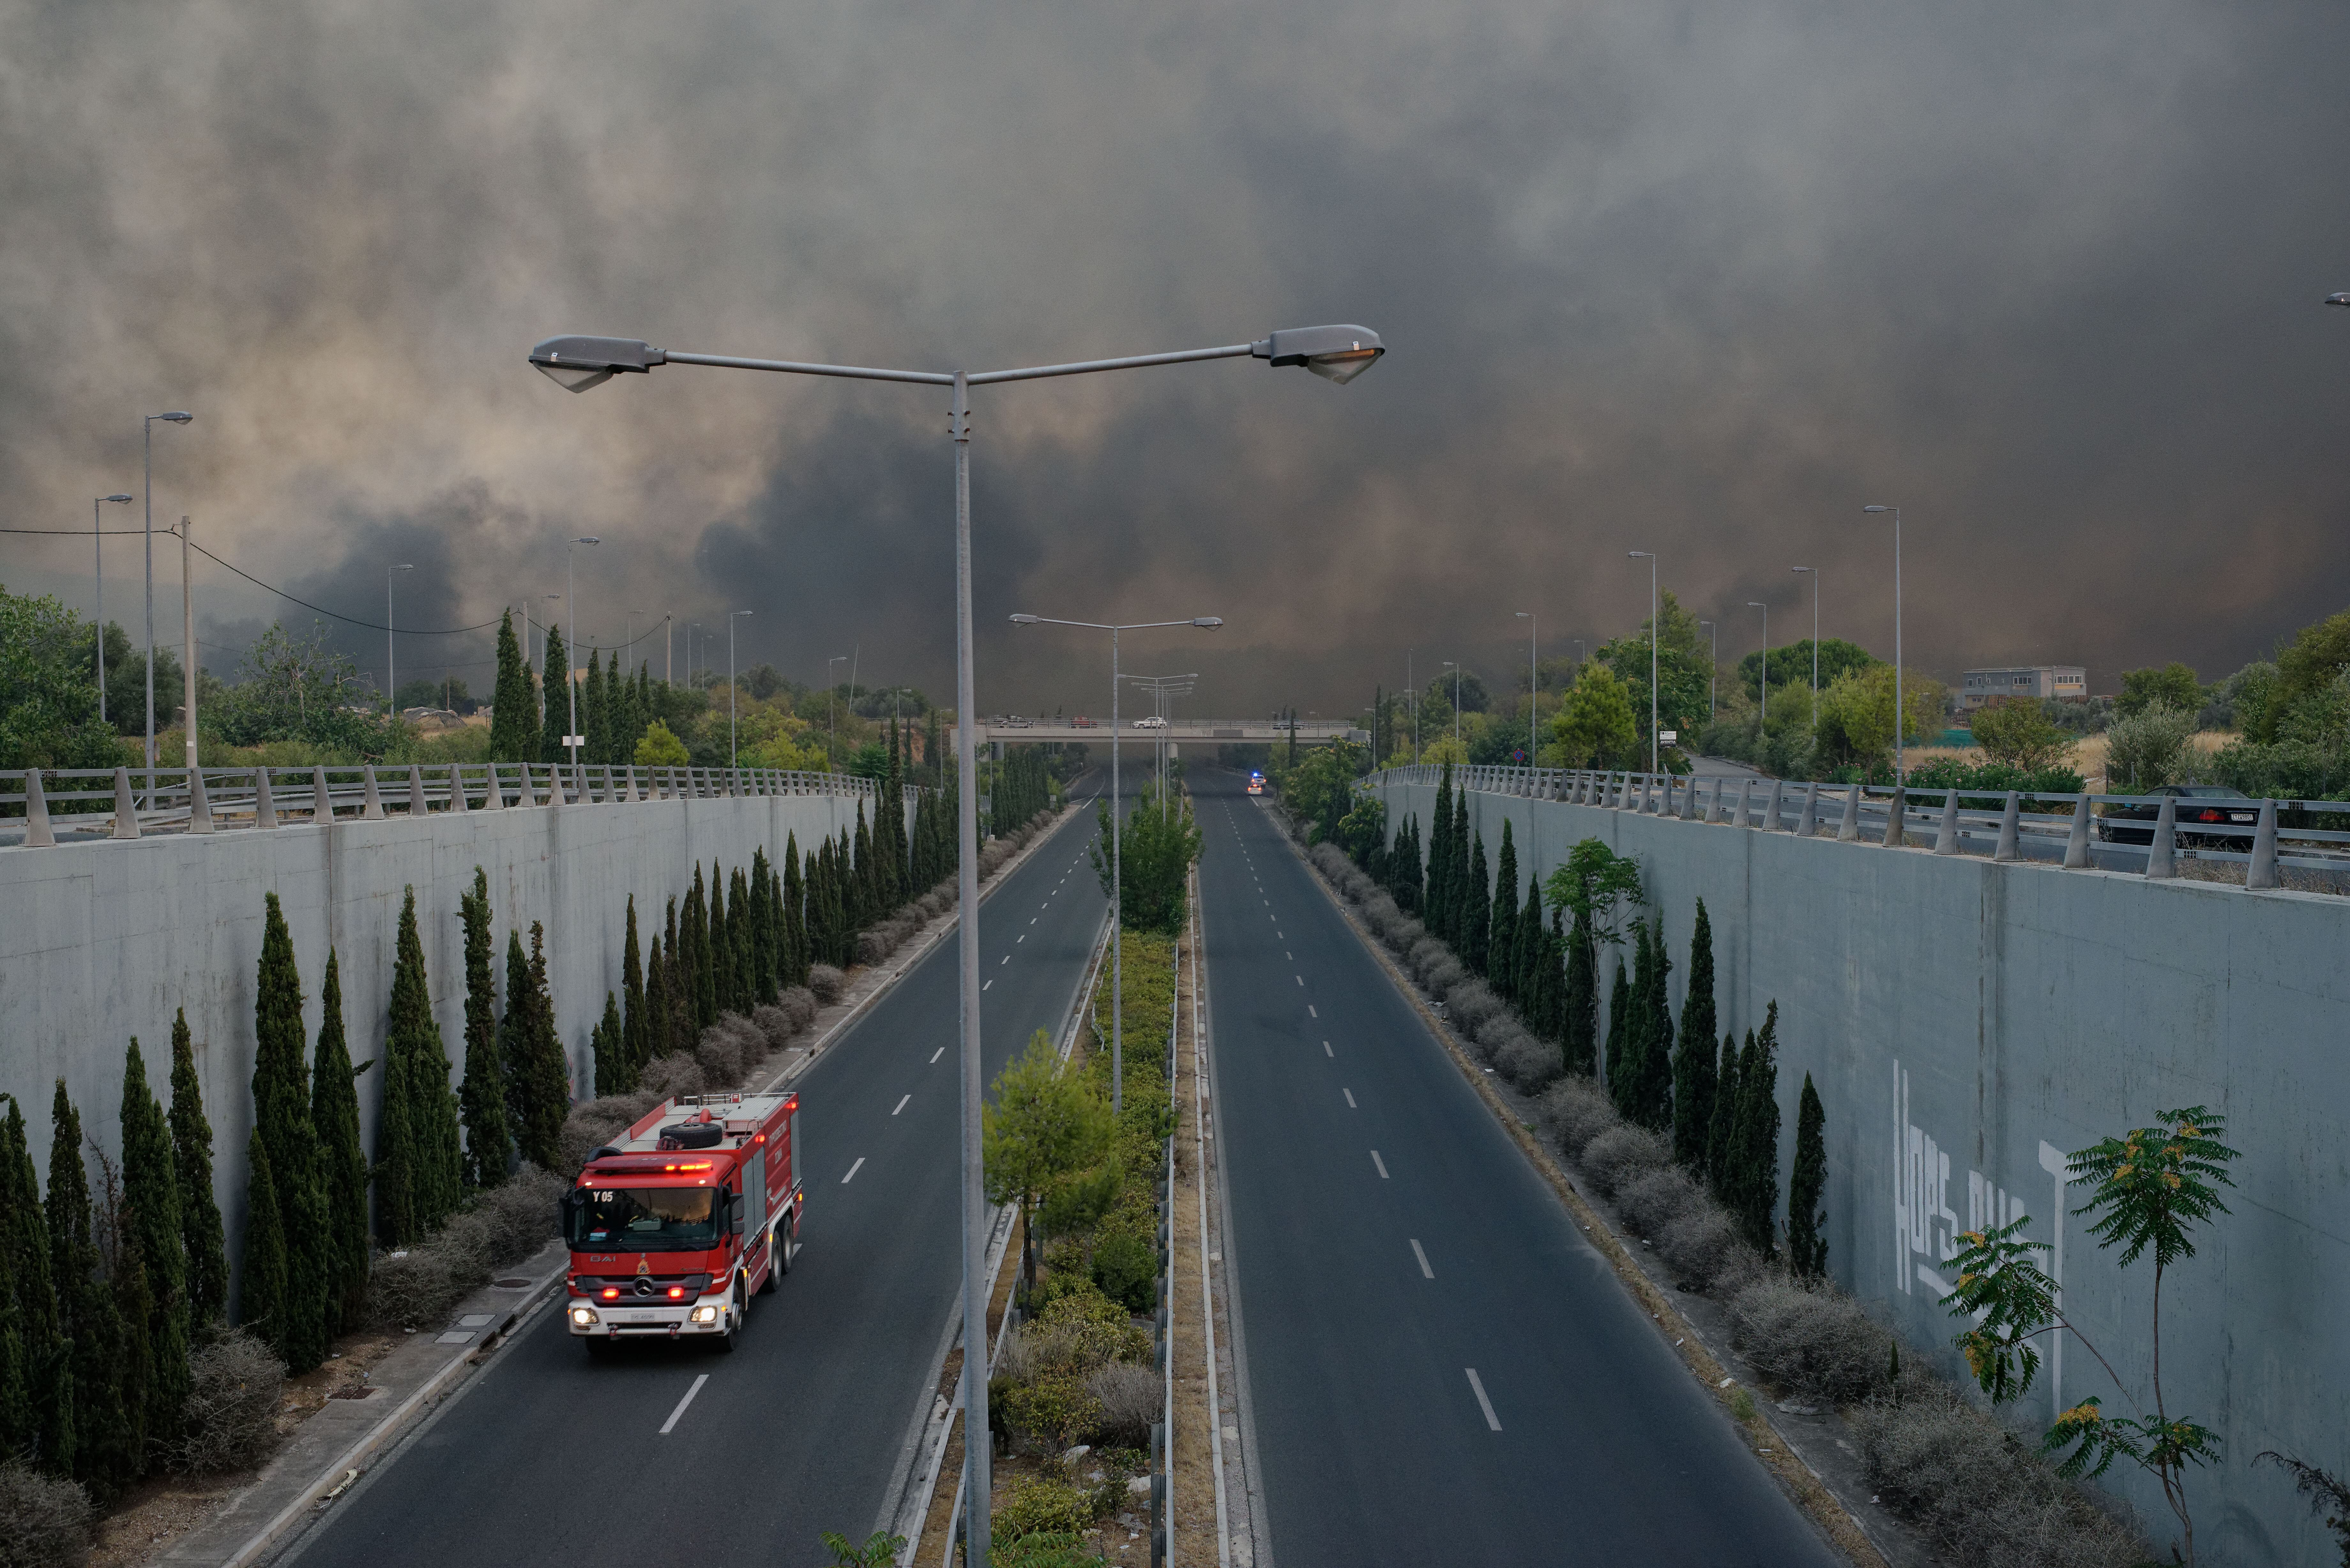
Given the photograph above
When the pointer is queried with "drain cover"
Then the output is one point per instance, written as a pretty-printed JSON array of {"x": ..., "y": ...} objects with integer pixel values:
[{"x": 514, "y": 1284}]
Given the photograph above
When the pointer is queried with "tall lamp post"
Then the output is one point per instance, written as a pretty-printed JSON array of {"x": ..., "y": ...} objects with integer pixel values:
[
  {"x": 1337, "y": 353},
  {"x": 146, "y": 461},
  {"x": 732, "y": 616},
  {"x": 1713, "y": 675},
  {"x": 98, "y": 567},
  {"x": 1117, "y": 811},
  {"x": 1764, "y": 681},
  {"x": 1533, "y": 678},
  {"x": 1649, "y": 555},
  {"x": 390, "y": 668},
  {"x": 1448, "y": 664},
  {"x": 1415, "y": 702},
  {"x": 1815, "y": 574},
  {"x": 831, "y": 727},
  {"x": 1899, "y": 728},
  {"x": 571, "y": 736}
]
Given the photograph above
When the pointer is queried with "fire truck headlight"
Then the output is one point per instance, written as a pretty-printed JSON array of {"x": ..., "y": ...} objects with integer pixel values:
[
  {"x": 583, "y": 1317},
  {"x": 705, "y": 1314}
]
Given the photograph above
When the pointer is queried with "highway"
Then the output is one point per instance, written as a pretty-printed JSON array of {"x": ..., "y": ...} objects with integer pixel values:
[
  {"x": 548, "y": 1458},
  {"x": 1439, "y": 1367}
]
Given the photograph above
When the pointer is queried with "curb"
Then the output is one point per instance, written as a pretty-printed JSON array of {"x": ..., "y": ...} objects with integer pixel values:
[{"x": 1802, "y": 1483}]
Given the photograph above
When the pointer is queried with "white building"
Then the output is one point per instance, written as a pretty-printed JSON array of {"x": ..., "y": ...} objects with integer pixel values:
[{"x": 2070, "y": 681}]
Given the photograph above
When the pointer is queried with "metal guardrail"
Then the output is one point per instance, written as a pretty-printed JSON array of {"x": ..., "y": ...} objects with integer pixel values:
[
  {"x": 211, "y": 800},
  {"x": 1903, "y": 816}
]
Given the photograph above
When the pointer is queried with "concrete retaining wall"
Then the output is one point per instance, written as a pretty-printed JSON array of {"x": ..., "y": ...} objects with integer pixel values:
[
  {"x": 1966, "y": 1023},
  {"x": 99, "y": 942}
]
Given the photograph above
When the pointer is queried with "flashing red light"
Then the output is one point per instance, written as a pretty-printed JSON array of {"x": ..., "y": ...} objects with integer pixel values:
[
  {"x": 690, "y": 1165},
  {"x": 611, "y": 1293},
  {"x": 677, "y": 1293},
  {"x": 758, "y": 1138},
  {"x": 2210, "y": 814}
]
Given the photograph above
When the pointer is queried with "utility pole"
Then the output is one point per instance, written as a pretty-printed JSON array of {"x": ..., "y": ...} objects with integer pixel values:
[{"x": 188, "y": 635}]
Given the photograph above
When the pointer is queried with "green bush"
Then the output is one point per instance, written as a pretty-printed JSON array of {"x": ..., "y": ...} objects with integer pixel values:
[
  {"x": 1052, "y": 1408},
  {"x": 1041, "y": 1549},
  {"x": 1948, "y": 773},
  {"x": 1126, "y": 1269},
  {"x": 1038, "y": 1504}
]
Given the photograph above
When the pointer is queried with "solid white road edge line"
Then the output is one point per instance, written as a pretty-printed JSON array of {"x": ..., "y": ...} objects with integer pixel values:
[{"x": 681, "y": 1404}]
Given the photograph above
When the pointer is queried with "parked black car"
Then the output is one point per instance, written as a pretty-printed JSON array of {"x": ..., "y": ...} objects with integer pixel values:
[{"x": 2197, "y": 804}]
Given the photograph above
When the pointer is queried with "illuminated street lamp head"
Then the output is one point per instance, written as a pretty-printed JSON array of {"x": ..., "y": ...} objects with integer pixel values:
[
  {"x": 2342, "y": 299},
  {"x": 1024, "y": 620},
  {"x": 1334, "y": 353},
  {"x": 1208, "y": 622},
  {"x": 576, "y": 364}
]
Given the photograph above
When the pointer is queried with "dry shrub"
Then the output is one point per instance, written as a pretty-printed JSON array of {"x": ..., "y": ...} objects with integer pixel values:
[
  {"x": 1381, "y": 914},
  {"x": 1655, "y": 1198},
  {"x": 1814, "y": 1341},
  {"x": 416, "y": 1288},
  {"x": 44, "y": 1521},
  {"x": 1977, "y": 1494},
  {"x": 1473, "y": 1002},
  {"x": 598, "y": 1122},
  {"x": 1405, "y": 934},
  {"x": 1618, "y": 1157},
  {"x": 522, "y": 1214},
  {"x": 1424, "y": 954},
  {"x": 798, "y": 1006},
  {"x": 233, "y": 1386},
  {"x": 729, "y": 1049},
  {"x": 1331, "y": 861},
  {"x": 668, "y": 1077},
  {"x": 1577, "y": 1110},
  {"x": 825, "y": 984},
  {"x": 773, "y": 1024},
  {"x": 1702, "y": 1246},
  {"x": 1129, "y": 1397},
  {"x": 1443, "y": 976}
]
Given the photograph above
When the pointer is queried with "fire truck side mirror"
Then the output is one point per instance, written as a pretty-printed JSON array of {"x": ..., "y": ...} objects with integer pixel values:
[
  {"x": 570, "y": 1205},
  {"x": 734, "y": 1213}
]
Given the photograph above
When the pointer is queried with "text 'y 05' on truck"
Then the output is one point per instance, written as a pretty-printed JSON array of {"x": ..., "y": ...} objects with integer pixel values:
[{"x": 673, "y": 1228}]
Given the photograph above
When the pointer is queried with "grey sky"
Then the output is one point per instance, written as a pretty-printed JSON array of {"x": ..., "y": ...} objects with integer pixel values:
[{"x": 1699, "y": 279}]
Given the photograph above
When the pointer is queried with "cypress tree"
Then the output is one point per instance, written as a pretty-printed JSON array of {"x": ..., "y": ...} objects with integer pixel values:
[
  {"x": 546, "y": 1081},
  {"x": 483, "y": 1097},
  {"x": 42, "y": 1425},
  {"x": 335, "y": 1112},
  {"x": 702, "y": 995},
  {"x": 1756, "y": 1146},
  {"x": 1619, "y": 1015},
  {"x": 20, "y": 1427},
  {"x": 134, "y": 1309},
  {"x": 612, "y": 1046},
  {"x": 778, "y": 935},
  {"x": 665, "y": 1021},
  {"x": 1693, "y": 1060},
  {"x": 635, "y": 1029},
  {"x": 1656, "y": 1087},
  {"x": 795, "y": 932},
  {"x": 1807, "y": 1247},
  {"x": 722, "y": 943},
  {"x": 596, "y": 713},
  {"x": 439, "y": 1152},
  {"x": 514, "y": 714},
  {"x": 151, "y": 1219},
  {"x": 1530, "y": 956},
  {"x": 1579, "y": 1026},
  {"x": 762, "y": 929},
  {"x": 262, "y": 1301},
  {"x": 656, "y": 1039},
  {"x": 1553, "y": 980},
  {"x": 104, "y": 1453},
  {"x": 281, "y": 1107},
  {"x": 1722, "y": 1128},
  {"x": 867, "y": 877},
  {"x": 513, "y": 1035},
  {"x": 203, "y": 1237},
  {"x": 1440, "y": 867},
  {"x": 741, "y": 923},
  {"x": 1476, "y": 910},
  {"x": 1502, "y": 947},
  {"x": 556, "y": 723},
  {"x": 841, "y": 897},
  {"x": 1456, "y": 856}
]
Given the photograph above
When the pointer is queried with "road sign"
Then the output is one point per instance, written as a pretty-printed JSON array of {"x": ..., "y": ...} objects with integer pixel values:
[
  {"x": 575, "y": 740},
  {"x": 1668, "y": 736}
]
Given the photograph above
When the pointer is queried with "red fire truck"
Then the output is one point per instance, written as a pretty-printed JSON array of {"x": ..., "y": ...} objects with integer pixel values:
[{"x": 672, "y": 1228}]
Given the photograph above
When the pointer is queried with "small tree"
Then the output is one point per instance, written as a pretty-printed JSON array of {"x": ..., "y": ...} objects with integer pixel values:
[
  {"x": 1720, "y": 1133},
  {"x": 261, "y": 1304},
  {"x": 1807, "y": 1249},
  {"x": 635, "y": 1027},
  {"x": 281, "y": 1113},
  {"x": 102, "y": 1450},
  {"x": 151, "y": 1216},
  {"x": 335, "y": 1112},
  {"x": 203, "y": 1236},
  {"x": 544, "y": 1082},
  {"x": 612, "y": 1046},
  {"x": 2020, "y": 735},
  {"x": 1754, "y": 1152},
  {"x": 1693, "y": 1058},
  {"x": 482, "y": 1096},
  {"x": 2148, "y": 748},
  {"x": 2154, "y": 1184},
  {"x": 43, "y": 1423},
  {"x": 1046, "y": 1121},
  {"x": 1651, "y": 1083}
]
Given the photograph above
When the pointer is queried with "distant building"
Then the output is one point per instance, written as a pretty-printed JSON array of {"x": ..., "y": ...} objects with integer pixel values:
[{"x": 2069, "y": 681}]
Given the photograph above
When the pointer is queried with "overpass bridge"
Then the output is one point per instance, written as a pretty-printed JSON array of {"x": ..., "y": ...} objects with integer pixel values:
[{"x": 1012, "y": 727}]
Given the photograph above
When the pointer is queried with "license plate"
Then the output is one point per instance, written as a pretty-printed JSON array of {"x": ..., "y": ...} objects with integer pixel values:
[
  {"x": 643, "y": 1317},
  {"x": 2240, "y": 816}
]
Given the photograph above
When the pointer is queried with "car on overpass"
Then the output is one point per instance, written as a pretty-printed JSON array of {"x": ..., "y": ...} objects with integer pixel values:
[
  {"x": 1081, "y": 723},
  {"x": 2195, "y": 804},
  {"x": 1153, "y": 722}
]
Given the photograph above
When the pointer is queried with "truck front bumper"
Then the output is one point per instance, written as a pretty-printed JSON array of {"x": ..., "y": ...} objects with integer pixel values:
[{"x": 629, "y": 1320}]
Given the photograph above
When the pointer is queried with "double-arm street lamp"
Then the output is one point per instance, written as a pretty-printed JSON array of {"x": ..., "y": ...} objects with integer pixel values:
[
  {"x": 1649, "y": 555},
  {"x": 147, "y": 462},
  {"x": 1899, "y": 728},
  {"x": 1334, "y": 353},
  {"x": 1813, "y": 572},
  {"x": 97, "y": 567},
  {"x": 1117, "y": 815}
]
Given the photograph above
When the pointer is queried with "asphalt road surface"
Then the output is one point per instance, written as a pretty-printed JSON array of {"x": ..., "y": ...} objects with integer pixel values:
[
  {"x": 549, "y": 1458},
  {"x": 1440, "y": 1368}
]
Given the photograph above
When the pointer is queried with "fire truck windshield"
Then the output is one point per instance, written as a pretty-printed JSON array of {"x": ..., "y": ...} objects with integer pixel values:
[{"x": 646, "y": 1219}]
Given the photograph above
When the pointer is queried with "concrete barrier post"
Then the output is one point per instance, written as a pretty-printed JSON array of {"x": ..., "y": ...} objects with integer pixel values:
[
  {"x": 2261, "y": 873},
  {"x": 629, "y": 795},
  {"x": 200, "y": 803},
  {"x": 372, "y": 808},
  {"x": 1744, "y": 788},
  {"x": 1811, "y": 823},
  {"x": 2076, "y": 843},
  {"x": 456, "y": 786},
  {"x": 1770, "y": 807},
  {"x": 1848, "y": 830},
  {"x": 265, "y": 807},
  {"x": 2161, "y": 855},
  {"x": 38, "y": 835},
  {"x": 322, "y": 803},
  {"x": 1946, "y": 840},
  {"x": 417, "y": 804},
  {"x": 126, "y": 813},
  {"x": 493, "y": 796},
  {"x": 1896, "y": 819},
  {"x": 2010, "y": 829}
]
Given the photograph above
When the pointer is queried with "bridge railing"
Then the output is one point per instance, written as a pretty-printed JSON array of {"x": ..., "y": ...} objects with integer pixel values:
[
  {"x": 129, "y": 802},
  {"x": 2007, "y": 825}
]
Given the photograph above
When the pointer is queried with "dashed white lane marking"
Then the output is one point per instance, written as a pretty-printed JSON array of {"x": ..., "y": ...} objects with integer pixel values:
[
  {"x": 860, "y": 1164},
  {"x": 1290, "y": 956},
  {"x": 1325, "y": 1050},
  {"x": 1425, "y": 1272},
  {"x": 901, "y": 1105},
  {"x": 1350, "y": 1099},
  {"x": 1374, "y": 1160},
  {"x": 1310, "y": 1012},
  {"x": 943, "y": 1050},
  {"x": 1007, "y": 958},
  {"x": 989, "y": 984},
  {"x": 1015, "y": 942},
  {"x": 681, "y": 1404},
  {"x": 1484, "y": 1404},
  {"x": 1300, "y": 979}
]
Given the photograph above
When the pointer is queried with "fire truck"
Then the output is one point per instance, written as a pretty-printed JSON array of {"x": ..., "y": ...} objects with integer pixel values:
[{"x": 673, "y": 1228}]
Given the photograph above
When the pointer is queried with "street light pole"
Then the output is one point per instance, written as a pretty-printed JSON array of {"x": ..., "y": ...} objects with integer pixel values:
[
  {"x": 831, "y": 729},
  {"x": 1713, "y": 675},
  {"x": 391, "y": 669},
  {"x": 1764, "y": 682},
  {"x": 97, "y": 568},
  {"x": 1448, "y": 664},
  {"x": 1533, "y": 678},
  {"x": 571, "y": 650},
  {"x": 1814, "y": 573},
  {"x": 188, "y": 647},
  {"x": 1899, "y": 727},
  {"x": 146, "y": 461},
  {"x": 1116, "y": 810},
  {"x": 732, "y": 615},
  {"x": 1407, "y": 681},
  {"x": 1335, "y": 353},
  {"x": 1652, "y": 559}
]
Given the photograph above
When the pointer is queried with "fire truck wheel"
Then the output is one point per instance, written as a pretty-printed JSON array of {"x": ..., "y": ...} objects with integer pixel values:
[
  {"x": 599, "y": 1346},
  {"x": 739, "y": 1310},
  {"x": 776, "y": 1263}
]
